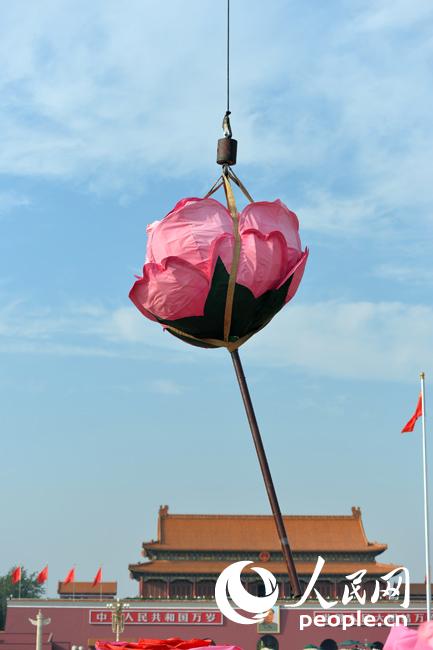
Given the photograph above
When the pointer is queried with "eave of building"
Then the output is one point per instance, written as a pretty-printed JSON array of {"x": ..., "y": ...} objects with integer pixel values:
[
  {"x": 163, "y": 552},
  {"x": 87, "y": 588},
  {"x": 371, "y": 547},
  {"x": 168, "y": 568}
]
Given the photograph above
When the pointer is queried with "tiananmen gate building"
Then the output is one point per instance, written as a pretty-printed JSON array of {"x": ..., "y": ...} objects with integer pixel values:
[
  {"x": 176, "y": 584},
  {"x": 192, "y": 550}
]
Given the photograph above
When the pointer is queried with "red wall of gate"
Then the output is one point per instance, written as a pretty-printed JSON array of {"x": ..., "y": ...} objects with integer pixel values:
[{"x": 81, "y": 622}]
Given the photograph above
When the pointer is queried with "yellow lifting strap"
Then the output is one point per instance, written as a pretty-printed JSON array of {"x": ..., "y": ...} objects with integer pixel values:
[{"x": 224, "y": 180}]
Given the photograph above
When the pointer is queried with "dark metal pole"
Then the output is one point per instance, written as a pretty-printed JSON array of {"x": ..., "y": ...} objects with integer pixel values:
[{"x": 264, "y": 466}]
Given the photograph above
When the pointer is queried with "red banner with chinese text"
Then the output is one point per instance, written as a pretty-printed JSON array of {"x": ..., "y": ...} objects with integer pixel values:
[{"x": 160, "y": 617}]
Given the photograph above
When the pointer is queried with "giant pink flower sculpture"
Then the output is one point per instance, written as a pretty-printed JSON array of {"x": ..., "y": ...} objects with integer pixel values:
[
  {"x": 404, "y": 638},
  {"x": 191, "y": 255},
  {"x": 214, "y": 277}
]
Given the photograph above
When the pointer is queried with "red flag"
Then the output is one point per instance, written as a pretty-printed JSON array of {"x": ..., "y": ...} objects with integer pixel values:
[
  {"x": 98, "y": 577},
  {"x": 43, "y": 575},
  {"x": 16, "y": 575},
  {"x": 70, "y": 577},
  {"x": 409, "y": 426}
]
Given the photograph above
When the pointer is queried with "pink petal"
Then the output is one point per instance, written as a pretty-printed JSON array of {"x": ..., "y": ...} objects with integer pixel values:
[
  {"x": 263, "y": 261},
  {"x": 401, "y": 638},
  {"x": 170, "y": 291},
  {"x": 222, "y": 248},
  {"x": 189, "y": 232},
  {"x": 297, "y": 271},
  {"x": 270, "y": 216},
  {"x": 425, "y": 636}
]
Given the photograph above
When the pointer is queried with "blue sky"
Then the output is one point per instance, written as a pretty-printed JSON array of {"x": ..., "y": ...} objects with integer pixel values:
[{"x": 110, "y": 113}]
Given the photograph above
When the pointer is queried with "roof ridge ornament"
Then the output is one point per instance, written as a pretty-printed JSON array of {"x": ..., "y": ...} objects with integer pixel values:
[{"x": 356, "y": 512}]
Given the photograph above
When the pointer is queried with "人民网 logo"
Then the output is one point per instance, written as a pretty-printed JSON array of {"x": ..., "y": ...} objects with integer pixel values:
[{"x": 229, "y": 585}]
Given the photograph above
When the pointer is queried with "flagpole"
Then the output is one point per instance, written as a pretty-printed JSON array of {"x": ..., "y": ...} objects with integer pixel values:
[
  {"x": 19, "y": 584},
  {"x": 426, "y": 511}
]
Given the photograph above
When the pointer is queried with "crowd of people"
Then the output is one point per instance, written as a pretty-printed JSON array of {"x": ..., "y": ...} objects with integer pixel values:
[{"x": 330, "y": 644}]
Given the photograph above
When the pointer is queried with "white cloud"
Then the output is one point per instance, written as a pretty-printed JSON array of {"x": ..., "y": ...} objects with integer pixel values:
[
  {"x": 94, "y": 90},
  {"x": 50, "y": 348},
  {"x": 9, "y": 201},
  {"x": 361, "y": 340},
  {"x": 74, "y": 330},
  {"x": 390, "y": 14},
  {"x": 112, "y": 95},
  {"x": 128, "y": 325},
  {"x": 332, "y": 214},
  {"x": 415, "y": 274},
  {"x": 167, "y": 387}
]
